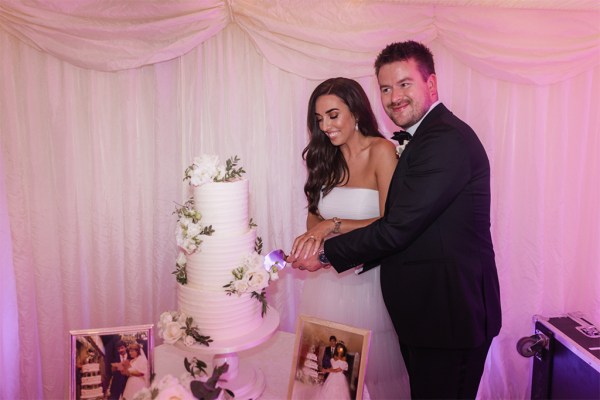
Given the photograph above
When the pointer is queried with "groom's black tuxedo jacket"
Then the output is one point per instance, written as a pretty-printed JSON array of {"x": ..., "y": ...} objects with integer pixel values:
[{"x": 438, "y": 274}]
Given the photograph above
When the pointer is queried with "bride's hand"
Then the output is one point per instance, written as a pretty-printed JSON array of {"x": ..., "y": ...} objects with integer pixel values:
[{"x": 308, "y": 243}]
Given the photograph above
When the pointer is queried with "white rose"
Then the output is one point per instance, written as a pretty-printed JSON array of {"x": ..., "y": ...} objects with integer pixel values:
[
  {"x": 172, "y": 332},
  {"x": 175, "y": 392},
  {"x": 240, "y": 286},
  {"x": 183, "y": 223},
  {"x": 165, "y": 382},
  {"x": 257, "y": 280},
  {"x": 189, "y": 341},
  {"x": 164, "y": 319},
  {"x": 274, "y": 275},
  {"x": 193, "y": 230}
]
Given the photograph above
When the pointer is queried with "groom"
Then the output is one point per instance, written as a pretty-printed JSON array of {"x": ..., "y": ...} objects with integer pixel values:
[{"x": 438, "y": 274}]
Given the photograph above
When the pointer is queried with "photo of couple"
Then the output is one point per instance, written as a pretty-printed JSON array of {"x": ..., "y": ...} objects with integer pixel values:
[
  {"x": 111, "y": 366},
  {"x": 330, "y": 360}
]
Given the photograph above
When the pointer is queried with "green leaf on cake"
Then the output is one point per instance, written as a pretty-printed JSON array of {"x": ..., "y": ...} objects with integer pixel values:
[
  {"x": 231, "y": 172},
  {"x": 262, "y": 297},
  {"x": 258, "y": 245}
]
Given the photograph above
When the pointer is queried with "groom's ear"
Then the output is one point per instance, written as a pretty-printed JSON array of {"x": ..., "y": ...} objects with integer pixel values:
[{"x": 432, "y": 86}]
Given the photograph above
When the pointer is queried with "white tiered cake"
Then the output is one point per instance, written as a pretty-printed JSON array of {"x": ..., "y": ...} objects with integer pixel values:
[
  {"x": 91, "y": 381},
  {"x": 222, "y": 278},
  {"x": 310, "y": 370},
  {"x": 224, "y": 206}
]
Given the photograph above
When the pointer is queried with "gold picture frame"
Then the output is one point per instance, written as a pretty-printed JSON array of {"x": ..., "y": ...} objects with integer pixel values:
[
  {"x": 98, "y": 367},
  {"x": 307, "y": 378}
]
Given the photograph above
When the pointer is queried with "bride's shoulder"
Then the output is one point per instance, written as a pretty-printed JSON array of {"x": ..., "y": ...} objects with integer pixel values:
[
  {"x": 383, "y": 154},
  {"x": 382, "y": 147}
]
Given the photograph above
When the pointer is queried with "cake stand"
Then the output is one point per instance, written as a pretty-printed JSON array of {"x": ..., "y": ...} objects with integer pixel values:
[{"x": 245, "y": 381}]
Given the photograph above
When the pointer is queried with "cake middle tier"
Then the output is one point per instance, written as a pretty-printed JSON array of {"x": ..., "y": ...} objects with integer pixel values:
[{"x": 210, "y": 267}]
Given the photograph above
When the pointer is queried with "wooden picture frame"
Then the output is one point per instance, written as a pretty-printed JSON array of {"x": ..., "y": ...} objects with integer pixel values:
[
  {"x": 307, "y": 379},
  {"x": 96, "y": 366}
]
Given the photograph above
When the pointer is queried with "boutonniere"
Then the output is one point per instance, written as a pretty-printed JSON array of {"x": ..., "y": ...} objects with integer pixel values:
[{"x": 400, "y": 148}]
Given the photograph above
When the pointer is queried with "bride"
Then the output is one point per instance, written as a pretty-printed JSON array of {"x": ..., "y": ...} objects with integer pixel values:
[
  {"x": 350, "y": 165},
  {"x": 137, "y": 370},
  {"x": 336, "y": 385}
]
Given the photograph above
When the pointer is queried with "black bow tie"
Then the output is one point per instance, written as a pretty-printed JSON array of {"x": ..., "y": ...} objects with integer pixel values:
[{"x": 401, "y": 136}]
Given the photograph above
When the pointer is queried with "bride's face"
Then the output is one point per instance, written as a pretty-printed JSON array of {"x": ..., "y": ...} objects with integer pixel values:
[
  {"x": 133, "y": 353},
  {"x": 334, "y": 118}
]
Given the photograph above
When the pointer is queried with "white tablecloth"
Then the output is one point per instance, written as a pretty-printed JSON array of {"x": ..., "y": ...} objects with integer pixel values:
[{"x": 273, "y": 358}]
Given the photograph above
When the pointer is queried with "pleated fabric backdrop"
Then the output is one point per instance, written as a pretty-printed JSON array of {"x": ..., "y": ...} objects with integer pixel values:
[{"x": 103, "y": 104}]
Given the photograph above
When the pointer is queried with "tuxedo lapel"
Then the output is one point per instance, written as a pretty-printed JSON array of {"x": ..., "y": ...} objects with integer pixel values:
[{"x": 421, "y": 133}]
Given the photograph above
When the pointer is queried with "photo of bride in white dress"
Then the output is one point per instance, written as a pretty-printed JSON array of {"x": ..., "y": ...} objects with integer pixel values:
[{"x": 336, "y": 385}]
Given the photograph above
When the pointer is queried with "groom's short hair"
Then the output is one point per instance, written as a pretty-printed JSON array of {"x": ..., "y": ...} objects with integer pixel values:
[{"x": 403, "y": 51}]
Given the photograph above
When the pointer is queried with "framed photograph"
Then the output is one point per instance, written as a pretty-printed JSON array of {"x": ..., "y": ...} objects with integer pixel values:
[
  {"x": 329, "y": 361},
  {"x": 110, "y": 363}
]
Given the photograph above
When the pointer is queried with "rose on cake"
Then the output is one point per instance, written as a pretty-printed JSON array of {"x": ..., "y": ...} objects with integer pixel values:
[
  {"x": 252, "y": 277},
  {"x": 189, "y": 228},
  {"x": 167, "y": 388},
  {"x": 174, "y": 326},
  {"x": 195, "y": 384},
  {"x": 207, "y": 168}
]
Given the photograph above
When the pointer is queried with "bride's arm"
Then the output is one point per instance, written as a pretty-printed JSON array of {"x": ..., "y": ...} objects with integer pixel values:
[{"x": 319, "y": 229}]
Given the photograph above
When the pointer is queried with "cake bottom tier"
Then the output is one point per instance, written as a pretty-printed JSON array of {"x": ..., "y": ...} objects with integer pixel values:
[{"x": 219, "y": 315}]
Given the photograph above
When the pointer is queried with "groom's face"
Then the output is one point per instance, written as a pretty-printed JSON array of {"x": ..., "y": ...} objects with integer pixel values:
[
  {"x": 405, "y": 95},
  {"x": 122, "y": 350}
]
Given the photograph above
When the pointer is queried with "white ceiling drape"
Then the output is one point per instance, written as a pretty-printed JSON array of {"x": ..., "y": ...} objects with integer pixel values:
[
  {"x": 104, "y": 103},
  {"x": 540, "y": 46}
]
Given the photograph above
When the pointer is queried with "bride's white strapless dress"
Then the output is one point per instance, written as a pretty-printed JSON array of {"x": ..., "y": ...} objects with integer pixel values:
[{"x": 356, "y": 300}]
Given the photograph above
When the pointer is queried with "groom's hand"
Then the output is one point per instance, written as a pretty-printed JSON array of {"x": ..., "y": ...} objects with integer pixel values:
[{"x": 310, "y": 263}]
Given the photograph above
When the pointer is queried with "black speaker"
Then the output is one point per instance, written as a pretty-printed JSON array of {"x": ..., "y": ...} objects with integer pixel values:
[{"x": 566, "y": 357}]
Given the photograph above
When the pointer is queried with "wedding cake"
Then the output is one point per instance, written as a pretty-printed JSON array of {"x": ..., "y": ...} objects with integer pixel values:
[
  {"x": 221, "y": 276},
  {"x": 91, "y": 381},
  {"x": 310, "y": 369}
]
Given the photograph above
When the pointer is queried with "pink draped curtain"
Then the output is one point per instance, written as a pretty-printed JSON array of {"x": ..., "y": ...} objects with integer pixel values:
[{"x": 104, "y": 103}]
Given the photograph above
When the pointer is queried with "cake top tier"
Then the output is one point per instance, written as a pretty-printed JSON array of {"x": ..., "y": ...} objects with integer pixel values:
[{"x": 207, "y": 168}]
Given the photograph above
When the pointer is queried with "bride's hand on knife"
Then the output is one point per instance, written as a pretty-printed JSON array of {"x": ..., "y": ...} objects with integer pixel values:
[{"x": 308, "y": 243}]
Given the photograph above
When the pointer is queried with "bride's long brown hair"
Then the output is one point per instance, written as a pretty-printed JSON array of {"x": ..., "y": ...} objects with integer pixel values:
[{"x": 326, "y": 165}]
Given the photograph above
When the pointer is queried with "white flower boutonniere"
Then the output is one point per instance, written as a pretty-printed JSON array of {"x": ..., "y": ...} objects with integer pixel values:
[{"x": 400, "y": 148}]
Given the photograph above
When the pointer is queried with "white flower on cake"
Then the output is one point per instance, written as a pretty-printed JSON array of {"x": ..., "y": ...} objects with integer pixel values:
[
  {"x": 174, "y": 326},
  {"x": 189, "y": 229},
  {"x": 252, "y": 277},
  {"x": 206, "y": 168},
  {"x": 195, "y": 384},
  {"x": 188, "y": 233},
  {"x": 172, "y": 332},
  {"x": 167, "y": 388}
]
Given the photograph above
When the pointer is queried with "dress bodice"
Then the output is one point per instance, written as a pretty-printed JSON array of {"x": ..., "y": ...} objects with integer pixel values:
[
  {"x": 339, "y": 364},
  {"x": 350, "y": 203}
]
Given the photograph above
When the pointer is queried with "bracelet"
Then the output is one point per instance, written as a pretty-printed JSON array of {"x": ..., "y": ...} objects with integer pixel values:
[{"x": 336, "y": 224}]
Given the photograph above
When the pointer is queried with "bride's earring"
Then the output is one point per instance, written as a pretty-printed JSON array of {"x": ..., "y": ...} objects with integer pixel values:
[{"x": 356, "y": 126}]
